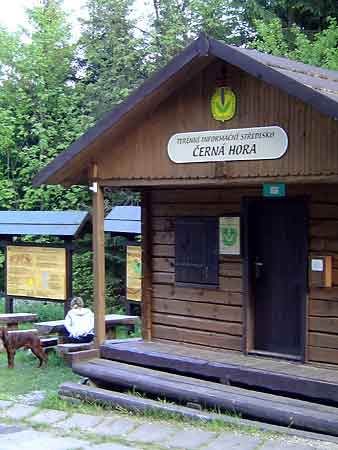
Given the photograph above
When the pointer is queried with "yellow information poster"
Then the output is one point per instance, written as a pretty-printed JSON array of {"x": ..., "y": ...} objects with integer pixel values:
[
  {"x": 36, "y": 272},
  {"x": 134, "y": 272}
]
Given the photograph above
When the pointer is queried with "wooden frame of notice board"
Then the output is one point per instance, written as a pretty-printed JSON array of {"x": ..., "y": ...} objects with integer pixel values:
[{"x": 66, "y": 278}]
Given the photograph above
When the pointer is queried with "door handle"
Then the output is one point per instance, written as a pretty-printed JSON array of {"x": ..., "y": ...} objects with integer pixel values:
[{"x": 258, "y": 268}]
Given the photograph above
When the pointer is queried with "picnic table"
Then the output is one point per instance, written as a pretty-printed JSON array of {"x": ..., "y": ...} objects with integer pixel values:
[
  {"x": 112, "y": 321},
  {"x": 12, "y": 320}
]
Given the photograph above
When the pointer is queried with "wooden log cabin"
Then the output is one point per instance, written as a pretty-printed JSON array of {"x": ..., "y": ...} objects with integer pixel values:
[{"x": 235, "y": 154}]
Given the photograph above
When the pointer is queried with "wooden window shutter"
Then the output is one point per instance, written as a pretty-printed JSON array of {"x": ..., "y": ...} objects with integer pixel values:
[{"x": 196, "y": 250}]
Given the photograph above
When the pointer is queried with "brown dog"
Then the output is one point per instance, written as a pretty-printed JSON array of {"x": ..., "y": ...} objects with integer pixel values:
[{"x": 14, "y": 340}]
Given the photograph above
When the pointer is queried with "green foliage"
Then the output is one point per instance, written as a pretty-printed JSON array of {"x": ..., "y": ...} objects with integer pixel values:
[
  {"x": 174, "y": 24},
  {"x": 41, "y": 112},
  {"x": 270, "y": 38},
  {"x": 308, "y": 15},
  {"x": 115, "y": 273},
  {"x": 45, "y": 310},
  {"x": 321, "y": 50},
  {"x": 41, "y": 109},
  {"x": 83, "y": 275},
  {"x": 111, "y": 55}
]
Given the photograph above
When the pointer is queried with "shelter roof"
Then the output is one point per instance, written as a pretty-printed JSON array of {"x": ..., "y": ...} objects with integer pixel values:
[
  {"x": 314, "y": 86},
  {"x": 123, "y": 220},
  {"x": 48, "y": 223}
]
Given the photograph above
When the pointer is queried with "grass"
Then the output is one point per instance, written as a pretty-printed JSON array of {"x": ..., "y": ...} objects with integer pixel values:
[{"x": 27, "y": 377}]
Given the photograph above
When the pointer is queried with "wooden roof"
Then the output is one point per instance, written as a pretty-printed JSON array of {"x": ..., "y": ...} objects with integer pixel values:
[
  {"x": 314, "y": 86},
  {"x": 38, "y": 223}
]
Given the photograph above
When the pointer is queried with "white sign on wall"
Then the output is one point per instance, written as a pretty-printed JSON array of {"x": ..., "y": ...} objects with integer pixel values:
[{"x": 243, "y": 144}]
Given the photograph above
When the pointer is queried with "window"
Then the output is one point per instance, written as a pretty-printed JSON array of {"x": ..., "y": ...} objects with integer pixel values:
[{"x": 196, "y": 250}]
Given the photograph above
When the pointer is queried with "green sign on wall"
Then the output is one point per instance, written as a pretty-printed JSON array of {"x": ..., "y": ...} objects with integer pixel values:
[
  {"x": 274, "y": 190},
  {"x": 229, "y": 236}
]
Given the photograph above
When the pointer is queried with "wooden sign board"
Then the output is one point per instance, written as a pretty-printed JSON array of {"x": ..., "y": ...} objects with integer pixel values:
[
  {"x": 36, "y": 272},
  {"x": 242, "y": 144},
  {"x": 134, "y": 272}
]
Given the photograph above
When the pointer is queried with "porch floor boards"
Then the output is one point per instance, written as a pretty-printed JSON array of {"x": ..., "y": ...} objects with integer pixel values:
[{"x": 261, "y": 373}]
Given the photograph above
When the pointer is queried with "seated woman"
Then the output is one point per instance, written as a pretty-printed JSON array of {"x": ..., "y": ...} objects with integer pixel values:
[{"x": 79, "y": 322}]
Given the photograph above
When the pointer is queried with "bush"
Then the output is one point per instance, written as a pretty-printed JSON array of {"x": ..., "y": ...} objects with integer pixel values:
[{"x": 45, "y": 310}]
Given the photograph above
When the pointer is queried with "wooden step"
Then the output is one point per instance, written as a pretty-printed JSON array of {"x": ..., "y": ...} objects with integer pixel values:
[
  {"x": 250, "y": 404},
  {"x": 280, "y": 377},
  {"x": 71, "y": 358},
  {"x": 74, "y": 347},
  {"x": 137, "y": 404}
]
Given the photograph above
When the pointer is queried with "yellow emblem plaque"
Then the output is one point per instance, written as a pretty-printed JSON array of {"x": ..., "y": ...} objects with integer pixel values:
[{"x": 223, "y": 104}]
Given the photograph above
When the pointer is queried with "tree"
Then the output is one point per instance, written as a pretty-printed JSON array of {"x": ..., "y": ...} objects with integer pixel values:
[
  {"x": 111, "y": 56},
  {"x": 40, "y": 108},
  {"x": 320, "y": 50},
  {"x": 308, "y": 15},
  {"x": 175, "y": 23}
]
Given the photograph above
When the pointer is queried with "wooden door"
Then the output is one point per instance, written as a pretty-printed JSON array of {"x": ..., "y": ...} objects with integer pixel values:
[{"x": 277, "y": 240}]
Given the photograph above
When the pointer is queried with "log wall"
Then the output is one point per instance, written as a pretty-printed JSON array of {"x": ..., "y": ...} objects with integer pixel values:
[
  {"x": 323, "y": 302},
  {"x": 214, "y": 317},
  {"x": 211, "y": 317}
]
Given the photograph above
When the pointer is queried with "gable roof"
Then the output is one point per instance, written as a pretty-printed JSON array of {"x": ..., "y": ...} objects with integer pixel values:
[
  {"x": 47, "y": 223},
  {"x": 314, "y": 86}
]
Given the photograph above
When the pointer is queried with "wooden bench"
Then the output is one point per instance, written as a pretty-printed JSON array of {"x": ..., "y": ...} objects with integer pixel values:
[
  {"x": 112, "y": 321},
  {"x": 46, "y": 342},
  {"x": 12, "y": 320}
]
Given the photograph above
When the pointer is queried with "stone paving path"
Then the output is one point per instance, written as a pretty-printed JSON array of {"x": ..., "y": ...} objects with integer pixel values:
[{"x": 28, "y": 427}]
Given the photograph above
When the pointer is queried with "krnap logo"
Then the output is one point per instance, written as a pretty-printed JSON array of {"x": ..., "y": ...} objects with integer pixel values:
[{"x": 223, "y": 104}]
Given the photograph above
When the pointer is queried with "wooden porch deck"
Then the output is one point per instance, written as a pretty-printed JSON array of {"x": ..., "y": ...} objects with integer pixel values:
[{"x": 287, "y": 378}]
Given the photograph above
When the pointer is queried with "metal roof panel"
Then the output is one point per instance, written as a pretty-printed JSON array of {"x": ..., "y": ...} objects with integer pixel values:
[
  {"x": 49, "y": 223},
  {"x": 123, "y": 220}
]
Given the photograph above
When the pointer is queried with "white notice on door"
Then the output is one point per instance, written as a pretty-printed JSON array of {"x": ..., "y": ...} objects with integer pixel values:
[{"x": 317, "y": 265}]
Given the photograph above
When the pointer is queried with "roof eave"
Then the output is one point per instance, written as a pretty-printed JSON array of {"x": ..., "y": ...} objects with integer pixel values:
[{"x": 198, "y": 48}]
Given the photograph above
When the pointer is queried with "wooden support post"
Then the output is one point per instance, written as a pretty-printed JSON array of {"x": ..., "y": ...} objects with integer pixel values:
[
  {"x": 69, "y": 274},
  {"x": 9, "y": 301},
  {"x": 98, "y": 262},
  {"x": 9, "y": 305},
  {"x": 146, "y": 265}
]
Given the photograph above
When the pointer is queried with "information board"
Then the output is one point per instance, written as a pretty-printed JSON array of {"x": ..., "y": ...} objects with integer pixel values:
[
  {"x": 36, "y": 272},
  {"x": 134, "y": 272}
]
